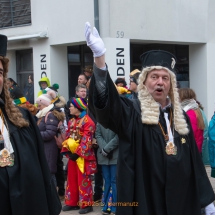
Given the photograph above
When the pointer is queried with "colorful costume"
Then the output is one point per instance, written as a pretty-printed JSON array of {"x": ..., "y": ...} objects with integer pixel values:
[{"x": 79, "y": 184}]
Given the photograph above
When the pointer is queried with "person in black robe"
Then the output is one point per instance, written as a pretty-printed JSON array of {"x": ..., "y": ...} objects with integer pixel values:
[
  {"x": 159, "y": 171},
  {"x": 26, "y": 186}
]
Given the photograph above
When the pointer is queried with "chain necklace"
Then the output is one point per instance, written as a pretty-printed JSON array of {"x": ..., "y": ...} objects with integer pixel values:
[
  {"x": 6, "y": 159},
  {"x": 166, "y": 136},
  {"x": 170, "y": 148}
]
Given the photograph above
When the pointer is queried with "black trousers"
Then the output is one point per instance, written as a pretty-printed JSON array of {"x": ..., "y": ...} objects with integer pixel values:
[{"x": 60, "y": 176}]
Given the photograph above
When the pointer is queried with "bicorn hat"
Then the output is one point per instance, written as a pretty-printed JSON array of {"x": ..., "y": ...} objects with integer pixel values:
[
  {"x": 158, "y": 58},
  {"x": 3, "y": 45},
  {"x": 16, "y": 93}
]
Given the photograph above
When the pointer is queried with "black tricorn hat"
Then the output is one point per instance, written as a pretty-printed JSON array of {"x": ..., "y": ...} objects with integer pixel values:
[
  {"x": 158, "y": 58},
  {"x": 3, "y": 45},
  {"x": 16, "y": 93}
]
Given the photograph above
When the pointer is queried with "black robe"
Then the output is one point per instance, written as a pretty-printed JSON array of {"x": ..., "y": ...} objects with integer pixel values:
[
  {"x": 27, "y": 188},
  {"x": 150, "y": 182}
]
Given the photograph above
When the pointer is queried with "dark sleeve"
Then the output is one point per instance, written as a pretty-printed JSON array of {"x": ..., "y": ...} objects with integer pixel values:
[
  {"x": 51, "y": 128},
  {"x": 99, "y": 138},
  {"x": 109, "y": 109},
  {"x": 205, "y": 189},
  {"x": 100, "y": 84},
  {"x": 53, "y": 201}
]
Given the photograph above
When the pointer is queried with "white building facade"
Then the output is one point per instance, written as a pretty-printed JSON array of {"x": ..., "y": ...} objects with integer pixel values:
[{"x": 55, "y": 45}]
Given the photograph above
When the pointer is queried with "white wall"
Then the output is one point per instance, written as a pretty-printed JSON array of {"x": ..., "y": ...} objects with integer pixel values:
[
  {"x": 59, "y": 69},
  {"x": 210, "y": 58},
  {"x": 164, "y": 20},
  {"x": 104, "y": 18},
  {"x": 64, "y": 20},
  {"x": 210, "y": 22},
  {"x": 202, "y": 75},
  {"x": 210, "y": 79},
  {"x": 12, "y": 65}
]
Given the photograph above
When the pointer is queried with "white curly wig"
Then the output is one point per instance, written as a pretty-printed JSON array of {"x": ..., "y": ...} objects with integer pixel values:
[{"x": 150, "y": 108}]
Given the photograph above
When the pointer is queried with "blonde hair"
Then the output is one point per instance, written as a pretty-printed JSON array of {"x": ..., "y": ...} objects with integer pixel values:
[{"x": 13, "y": 113}]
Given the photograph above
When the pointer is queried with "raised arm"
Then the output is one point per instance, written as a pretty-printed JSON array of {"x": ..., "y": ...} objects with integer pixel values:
[
  {"x": 96, "y": 44},
  {"x": 104, "y": 101}
]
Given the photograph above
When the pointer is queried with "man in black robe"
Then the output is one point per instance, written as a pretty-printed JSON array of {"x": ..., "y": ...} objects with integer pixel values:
[
  {"x": 160, "y": 171},
  {"x": 26, "y": 186}
]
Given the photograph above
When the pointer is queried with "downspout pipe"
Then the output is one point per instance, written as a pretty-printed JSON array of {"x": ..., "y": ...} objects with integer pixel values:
[{"x": 96, "y": 14}]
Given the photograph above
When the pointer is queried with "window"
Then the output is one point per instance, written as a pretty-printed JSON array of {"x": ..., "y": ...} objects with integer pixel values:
[
  {"x": 24, "y": 66},
  {"x": 15, "y": 13}
]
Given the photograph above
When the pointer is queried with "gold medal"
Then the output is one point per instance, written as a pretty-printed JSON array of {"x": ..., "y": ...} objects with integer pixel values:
[
  {"x": 183, "y": 140},
  {"x": 171, "y": 148},
  {"x": 6, "y": 159}
]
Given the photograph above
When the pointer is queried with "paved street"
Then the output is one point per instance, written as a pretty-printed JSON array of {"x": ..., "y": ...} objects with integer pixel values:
[{"x": 97, "y": 210}]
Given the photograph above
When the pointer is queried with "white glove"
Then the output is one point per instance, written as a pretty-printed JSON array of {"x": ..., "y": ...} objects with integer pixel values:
[
  {"x": 94, "y": 41},
  {"x": 210, "y": 209}
]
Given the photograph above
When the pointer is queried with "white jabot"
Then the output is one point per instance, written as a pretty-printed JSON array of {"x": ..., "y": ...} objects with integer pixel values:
[
  {"x": 7, "y": 143},
  {"x": 168, "y": 128}
]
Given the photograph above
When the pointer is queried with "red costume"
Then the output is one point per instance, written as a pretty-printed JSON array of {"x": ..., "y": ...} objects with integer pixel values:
[{"x": 79, "y": 185}]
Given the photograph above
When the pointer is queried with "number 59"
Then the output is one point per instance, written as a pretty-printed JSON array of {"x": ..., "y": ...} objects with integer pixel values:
[{"x": 119, "y": 34}]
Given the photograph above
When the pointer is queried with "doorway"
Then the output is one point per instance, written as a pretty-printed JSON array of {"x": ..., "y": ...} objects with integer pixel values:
[{"x": 79, "y": 57}]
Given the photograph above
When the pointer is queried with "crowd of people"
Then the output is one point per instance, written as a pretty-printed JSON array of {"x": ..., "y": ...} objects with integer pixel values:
[{"x": 141, "y": 144}]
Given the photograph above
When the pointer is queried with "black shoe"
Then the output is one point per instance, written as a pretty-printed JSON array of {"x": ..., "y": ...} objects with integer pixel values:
[
  {"x": 86, "y": 210},
  {"x": 69, "y": 208},
  {"x": 97, "y": 198},
  {"x": 105, "y": 212}
]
